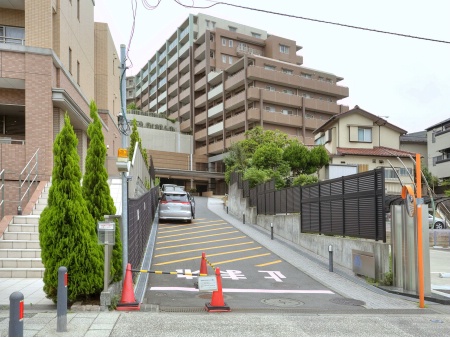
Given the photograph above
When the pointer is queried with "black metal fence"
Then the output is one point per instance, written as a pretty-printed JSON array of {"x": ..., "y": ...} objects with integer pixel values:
[
  {"x": 348, "y": 206},
  {"x": 141, "y": 212}
]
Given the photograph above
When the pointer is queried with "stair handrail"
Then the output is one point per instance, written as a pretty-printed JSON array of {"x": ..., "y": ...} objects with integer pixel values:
[
  {"x": 29, "y": 169},
  {"x": 2, "y": 189}
]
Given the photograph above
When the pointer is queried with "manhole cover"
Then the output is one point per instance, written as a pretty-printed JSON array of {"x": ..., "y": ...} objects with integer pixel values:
[
  {"x": 347, "y": 301},
  {"x": 282, "y": 302}
]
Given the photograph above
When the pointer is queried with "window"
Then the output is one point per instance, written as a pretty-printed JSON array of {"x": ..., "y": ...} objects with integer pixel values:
[
  {"x": 242, "y": 45},
  {"x": 288, "y": 91},
  {"x": 213, "y": 23},
  {"x": 271, "y": 88},
  {"x": 207, "y": 23},
  {"x": 286, "y": 112},
  {"x": 224, "y": 58},
  {"x": 329, "y": 80},
  {"x": 321, "y": 78},
  {"x": 211, "y": 54},
  {"x": 306, "y": 95},
  {"x": 284, "y": 49},
  {"x": 306, "y": 75},
  {"x": 256, "y": 35},
  {"x": 224, "y": 42},
  {"x": 230, "y": 43},
  {"x": 364, "y": 135},
  {"x": 269, "y": 67},
  {"x": 70, "y": 60},
  {"x": 270, "y": 108},
  {"x": 78, "y": 72},
  {"x": 230, "y": 60},
  {"x": 12, "y": 35},
  {"x": 232, "y": 29},
  {"x": 78, "y": 10},
  {"x": 288, "y": 71}
]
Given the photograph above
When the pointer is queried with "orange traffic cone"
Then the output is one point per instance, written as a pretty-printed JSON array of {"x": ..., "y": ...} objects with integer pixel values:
[
  {"x": 217, "y": 304},
  {"x": 203, "y": 267},
  {"x": 128, "y": 301}
]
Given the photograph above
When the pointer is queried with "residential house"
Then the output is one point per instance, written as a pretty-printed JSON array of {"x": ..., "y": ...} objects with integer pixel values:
[{"x": 438, "y": 137}]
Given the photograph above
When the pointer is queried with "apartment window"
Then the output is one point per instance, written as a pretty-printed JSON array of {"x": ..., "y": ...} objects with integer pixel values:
[
  {"x": 269, "y": 67},
  {"x": 207, "y": 23},
  {"x": 256, "y": 35},
  {"x": 230, "y": 60},
  {"x": 284, "y": 49},
  {"x": 271, "y": 88},
  {"x": 321, "y": 78},
  {"x": 232, "y": 29},
  {"x": 364, "y": 134},
  {"x": 78, "y": 72},
  {"x": 306, "y": 95},
  {"x": 270, "y": 108},
  {"x": 288, "y": 91},
  {"x": 70, "y": 60},
  {"x": 224, "y": 58},
  {"x": 224, "y": 42},
  {"x": 213, "y": 23},
  {"x": 306, "y": 75},
  {"x": 242, "y": 45},
  {"x": 286, "y": 112},
  {"x": 288, "y": 71},
  {"x": 78, "y": 10},
  {"x": 211, "y": 54},
  {"x": 309, "y": 116},
  {"x": 230, "y": 43}
]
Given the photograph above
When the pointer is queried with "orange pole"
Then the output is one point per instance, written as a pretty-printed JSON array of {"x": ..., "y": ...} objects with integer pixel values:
[{"x": 419, "y": 234}]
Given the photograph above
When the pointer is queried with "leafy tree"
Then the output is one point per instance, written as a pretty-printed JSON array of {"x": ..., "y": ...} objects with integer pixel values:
[
  {"x": 304, "y": 179},
  {"x": 255, "y": 176},
  {"x": 95, "y": 187},
  {"x": 66, "y": 228},
  {"x": 431, "y": 179},
  {"x": 297, "y": 155},
  {"x": 267, "y": 156},
  {"x": 318, "y": 157},
  {"x": 132, "y": 106},
  {"x": 134, "y": 137},
  {"x": 235, "y": 160},
  {"x": 258, "y": 136}
]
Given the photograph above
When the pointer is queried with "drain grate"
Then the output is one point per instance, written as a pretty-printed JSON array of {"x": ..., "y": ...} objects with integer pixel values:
[
  {"x": 347, "y": 301},
  {"x": 181, "y": 309},
  {"x": 282, "y": 302}
]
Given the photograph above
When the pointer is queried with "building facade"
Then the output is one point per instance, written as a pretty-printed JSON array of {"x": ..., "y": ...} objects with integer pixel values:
[
  {"x": 438, "y": 139},
  {"x": 53, "y": 60},
  {"x": 219, "y": 79}
]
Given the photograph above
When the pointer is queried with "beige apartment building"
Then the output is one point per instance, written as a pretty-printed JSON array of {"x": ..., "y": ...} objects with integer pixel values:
[
  {"x": 219, "y": 78},
  {"x": 53, "y": 59}
]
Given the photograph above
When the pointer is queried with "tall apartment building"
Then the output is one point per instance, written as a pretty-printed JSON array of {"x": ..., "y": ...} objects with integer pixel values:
[
  {"x": 53, "y": 59},
  {"x": 219, "y": 79}
]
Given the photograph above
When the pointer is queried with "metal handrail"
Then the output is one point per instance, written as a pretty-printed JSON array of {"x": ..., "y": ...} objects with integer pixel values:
[
  {"x": 2, "y": 188},
  {"x": 27, "y": 178}
]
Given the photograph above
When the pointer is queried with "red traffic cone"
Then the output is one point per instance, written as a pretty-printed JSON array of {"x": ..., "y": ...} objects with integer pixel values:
[
  {"x": 217, "y": 303},
  {"x": 128, "y": 301},
  {"x": 203, "y": 267}
]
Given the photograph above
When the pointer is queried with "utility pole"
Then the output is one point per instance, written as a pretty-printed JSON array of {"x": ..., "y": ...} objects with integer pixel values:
[{"x": 124, "y": 133}]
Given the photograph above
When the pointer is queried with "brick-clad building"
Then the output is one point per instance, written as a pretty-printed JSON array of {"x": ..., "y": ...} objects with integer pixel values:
[{"x": 53, "y": 59}]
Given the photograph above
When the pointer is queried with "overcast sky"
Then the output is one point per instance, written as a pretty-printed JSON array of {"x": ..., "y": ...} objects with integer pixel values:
[{"x": 403, "y": 78}]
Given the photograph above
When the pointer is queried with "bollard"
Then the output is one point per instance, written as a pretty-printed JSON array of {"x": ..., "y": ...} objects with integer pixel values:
[
  {"x": 61, "y": 304},
  {"x": 271, "y": 230},
  {"x": 227, "y": 209},
  {"x": 243, "y": 218},
  {"x": 19, "y": 210},
  {"x": 330, "y": 254},
  {"x": 16, "y": 305}
]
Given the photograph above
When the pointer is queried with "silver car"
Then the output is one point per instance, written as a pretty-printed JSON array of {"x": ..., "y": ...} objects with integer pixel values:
[
  {"x": 177, "y": 205},
  {"x": 439, "y": 223}
]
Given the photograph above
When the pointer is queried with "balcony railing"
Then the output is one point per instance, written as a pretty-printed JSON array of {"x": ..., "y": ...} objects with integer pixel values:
[{"x": 249, "y": 50}]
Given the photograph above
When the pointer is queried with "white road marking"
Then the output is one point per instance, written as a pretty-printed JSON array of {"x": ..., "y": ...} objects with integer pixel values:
[
  {"x": 168, "y": 288},
  {"x": 274, "y": 275}
]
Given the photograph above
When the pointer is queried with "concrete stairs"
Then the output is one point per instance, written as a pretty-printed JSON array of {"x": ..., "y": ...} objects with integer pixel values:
[{"x": 20, "y": 252}]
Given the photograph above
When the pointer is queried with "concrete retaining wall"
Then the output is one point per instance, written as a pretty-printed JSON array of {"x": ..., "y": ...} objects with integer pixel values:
[{"x": 288, "y": 227}]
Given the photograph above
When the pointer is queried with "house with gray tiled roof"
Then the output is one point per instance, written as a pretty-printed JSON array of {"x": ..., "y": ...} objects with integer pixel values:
[{"x": 358, "y": 141}]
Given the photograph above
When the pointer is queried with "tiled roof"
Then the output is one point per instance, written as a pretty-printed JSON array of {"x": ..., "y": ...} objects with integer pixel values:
[{"x": 376, "y": 151}]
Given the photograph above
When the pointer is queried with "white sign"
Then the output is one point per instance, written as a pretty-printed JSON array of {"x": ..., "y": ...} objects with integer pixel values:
[
  {"x": 208, "y": 283},
  {"x": 106, "y": 226}
]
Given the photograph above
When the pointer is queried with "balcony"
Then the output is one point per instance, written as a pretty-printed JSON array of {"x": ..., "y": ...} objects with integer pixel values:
[
  {"x": 200, "y": 150},
  {"x": 266, "y": 75},
  {"x": 183, "y": 49},
  {"x": 320, "y": 105},
  {"x": 214, "y": 78},
  {"x": 153, "y": 103},
  {"x": 282, "y": 119},
  {"x": 200, "y": 84},
  {"x": 200, "y": 135},
  {"x": 172, "y": 60},
  {"x": 162, "y": 97},
  {"x": 185, "y": 79},
  {"x": 185, "y": 126},
  {"x": 144, "y": 99},
  {"x": 200, "y": 118},
  {"x": 216, "y": 129},
  {"x": 172, "y": 73},
  {"x": 163, "y": 109},
  {"x": 184, "y": 95},
  {"x": 234, "y": 139},
  {"x": 215, "y": 93},
  {"x": 312, "y": 123},
  {"x": 249, "y": 51},
  {"x": 215, "y": 148},
  {"x": 215, "y": 111},
  {"x": 185, "y": 110},
  {"x": 200, "y": 52},
  {"x": 238, "y": 120},
  {"x": 172, "y": 102},
  {"x": 172, "y": 88},
  {"x": 184, "y": 65},
  {"x": 235, "y": 81},
  {"x": 200, "y": 101},
  {"x": 200, "y": 67},
  {"x": 235, "y": 101},
  {"x": 173, "y": 115}
]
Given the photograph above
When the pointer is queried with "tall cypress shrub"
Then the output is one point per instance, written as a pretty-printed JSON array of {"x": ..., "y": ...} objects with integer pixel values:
[
  {"x": 96, "y": 188},
  {"x": 66, "y": 228}
]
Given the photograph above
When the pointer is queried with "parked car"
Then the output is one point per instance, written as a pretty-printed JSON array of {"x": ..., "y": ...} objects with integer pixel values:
[
  {"x": 439, "y": 223},
  {"x": 177, "y": 205},
  {"x": 168, "y": 187}
]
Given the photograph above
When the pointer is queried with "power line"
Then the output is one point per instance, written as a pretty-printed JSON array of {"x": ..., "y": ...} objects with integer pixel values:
[
  {"x": 148, "y": 6},
  {"x": 134, "y": 10},
  {"x": 310, "y": 19}
]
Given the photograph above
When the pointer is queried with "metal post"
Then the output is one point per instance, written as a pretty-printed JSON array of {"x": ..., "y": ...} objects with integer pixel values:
[
  {"x": 124, "y": 175},
  {"x": 330, "y": 255},
  {"x": 227, "y": 209},
  {"x": 271, "y": 230},
  {"x": 61, "y": 305},
  {"x": 16, "y": 306},
  {"x": 106, "y": 269},
  {"x": 243, "y": 218}
]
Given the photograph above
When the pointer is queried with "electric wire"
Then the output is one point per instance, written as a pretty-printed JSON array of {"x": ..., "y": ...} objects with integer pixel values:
[
  {"x": 311, "y": 19},
  {"x": 148, "y": 6}
]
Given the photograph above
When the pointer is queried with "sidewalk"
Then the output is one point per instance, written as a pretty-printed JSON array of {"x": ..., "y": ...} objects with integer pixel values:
[{"x": 40, "y": 312}]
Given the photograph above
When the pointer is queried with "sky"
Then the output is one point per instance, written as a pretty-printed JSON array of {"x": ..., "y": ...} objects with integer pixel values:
[{"x": 403, "y": 78}]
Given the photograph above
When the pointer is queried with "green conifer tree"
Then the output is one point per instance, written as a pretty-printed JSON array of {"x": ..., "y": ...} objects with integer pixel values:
[
  {"x": 66, "y": 228},
  {"x": 96, "y": 188}
]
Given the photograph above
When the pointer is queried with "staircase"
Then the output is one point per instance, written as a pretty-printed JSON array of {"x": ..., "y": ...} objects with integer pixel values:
[{"x": 20, "y": 252}]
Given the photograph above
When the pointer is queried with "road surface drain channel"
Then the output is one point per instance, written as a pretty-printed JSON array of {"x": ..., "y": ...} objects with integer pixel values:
[
  {"x": 347, "y": 301},
  {"x": 282, "y": 302}
]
